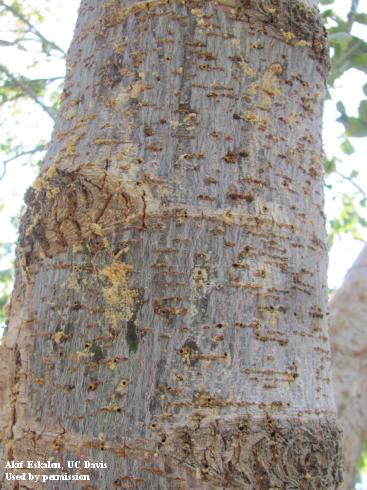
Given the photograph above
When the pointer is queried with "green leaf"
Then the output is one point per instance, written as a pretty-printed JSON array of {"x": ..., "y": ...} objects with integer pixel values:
[
  {"x": 326, "y": 2},
  {"x": 365, "y": 89},
  {"x": 363, "y": 461},
  {"x": 347, "y": 147},
  {"x": 362, "y": 111},
  {"x": 361, "y": 18},
  {"x": 341, "y": 107},
  {"x": 354, "y": 127},
  {"x": 327, "y": 13},
  {"x": 339, "y": 38},
  {"x": 348, "y": 221},
  {"x": 349, "y": 52},
  {"x": 329, "y": 165},
  {"x": 359, "y": 61},
  {"x": 341, "y": 27}
]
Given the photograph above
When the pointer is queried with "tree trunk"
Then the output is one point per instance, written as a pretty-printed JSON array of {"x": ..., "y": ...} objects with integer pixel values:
[
  {"x": 169, "y": 310},
  {"x": 348, "y": 313}
]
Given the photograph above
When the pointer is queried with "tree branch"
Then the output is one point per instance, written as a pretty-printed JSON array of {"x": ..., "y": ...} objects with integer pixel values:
[
  {"x": 21, "y": 84},
  {"x": 350, "y": 180},
  {"x": 19, "y": 155},
  {"x": 31, "y": 27},
  {"x": 351, "y": 14}
]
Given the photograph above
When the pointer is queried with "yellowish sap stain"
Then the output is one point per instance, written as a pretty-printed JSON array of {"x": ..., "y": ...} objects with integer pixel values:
[{"x": 119, "y": 298}]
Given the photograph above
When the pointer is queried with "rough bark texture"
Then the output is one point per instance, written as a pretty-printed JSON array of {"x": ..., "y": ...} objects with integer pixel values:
[
  {"x": 348, "y": 324},
  {"x": 169, "y": 312}
]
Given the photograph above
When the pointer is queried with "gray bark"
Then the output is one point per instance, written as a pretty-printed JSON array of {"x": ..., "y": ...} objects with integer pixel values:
[
  {"x": 348, "y": 314},
  {"x": 169, "y": 311}
]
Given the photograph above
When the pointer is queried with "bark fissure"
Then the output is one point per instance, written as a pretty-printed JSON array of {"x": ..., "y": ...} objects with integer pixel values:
[
  {"x": 173, "y": 252},
  {"x": 297, "y": 23}
]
